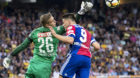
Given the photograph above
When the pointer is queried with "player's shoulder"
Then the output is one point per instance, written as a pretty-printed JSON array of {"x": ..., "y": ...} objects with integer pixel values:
[
  {"x": 39, "y": 28},
  {"x": 78, "y": 26},
  {"x": 57, "y": 28},
  {"x": 72, "y": 27},
  {"x": 34, "y": 30}
]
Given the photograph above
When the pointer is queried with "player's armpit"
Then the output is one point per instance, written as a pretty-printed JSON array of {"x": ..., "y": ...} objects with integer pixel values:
[{"x": 96, "y": 45}]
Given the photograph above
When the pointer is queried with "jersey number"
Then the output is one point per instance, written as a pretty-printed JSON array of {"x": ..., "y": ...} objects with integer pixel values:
[
  {"x": 83, "y": 37},
  {"x": 49, "y": 47}
]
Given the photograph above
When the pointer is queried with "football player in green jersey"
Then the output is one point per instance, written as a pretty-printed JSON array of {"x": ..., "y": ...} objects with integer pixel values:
[{"x": 45, "y": 46}]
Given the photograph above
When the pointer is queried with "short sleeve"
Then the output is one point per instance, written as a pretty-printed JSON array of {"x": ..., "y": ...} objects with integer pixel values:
[
  {"x": 92, "y": 40},
  {"x": 71, "y": 31}
]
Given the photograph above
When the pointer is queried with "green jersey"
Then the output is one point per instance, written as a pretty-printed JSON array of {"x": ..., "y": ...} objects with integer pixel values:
[{"x": 45, "y": 44}]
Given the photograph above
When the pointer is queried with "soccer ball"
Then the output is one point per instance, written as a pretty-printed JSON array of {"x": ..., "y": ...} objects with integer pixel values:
[{"x": 112, "y": 3}]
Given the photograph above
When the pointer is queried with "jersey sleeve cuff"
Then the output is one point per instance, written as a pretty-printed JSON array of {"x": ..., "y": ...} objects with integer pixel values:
[{"x": 93, "y": 41}]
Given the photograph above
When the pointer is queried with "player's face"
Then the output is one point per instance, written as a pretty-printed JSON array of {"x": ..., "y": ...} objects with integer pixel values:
[
  {"x": 66, "y": 22},
  {"x": 52, "y": 21}
]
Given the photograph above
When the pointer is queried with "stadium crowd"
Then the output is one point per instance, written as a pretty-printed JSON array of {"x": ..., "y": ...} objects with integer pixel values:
[{"x": 117, "y": 30}]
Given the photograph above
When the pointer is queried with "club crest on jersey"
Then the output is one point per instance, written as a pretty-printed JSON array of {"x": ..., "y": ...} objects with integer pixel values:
[{"x": 46, "y": 34}]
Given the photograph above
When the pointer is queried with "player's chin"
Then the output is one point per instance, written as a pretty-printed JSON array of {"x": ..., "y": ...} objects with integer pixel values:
[{"x": 54, "y": 25}]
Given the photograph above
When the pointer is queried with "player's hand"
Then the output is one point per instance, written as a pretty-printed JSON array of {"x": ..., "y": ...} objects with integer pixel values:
[
  {"x": 6, "y": 62},
  {"x": 52, "y": 30},
  {"x": 85, "y": 6}
]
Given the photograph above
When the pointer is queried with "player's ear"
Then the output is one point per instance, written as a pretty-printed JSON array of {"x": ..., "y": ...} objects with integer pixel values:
[
  {"x": 69, "y": 21},
  {"x": 46, "y": 25}
]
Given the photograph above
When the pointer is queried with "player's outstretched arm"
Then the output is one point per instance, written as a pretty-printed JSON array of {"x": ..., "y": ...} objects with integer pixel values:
[
  {"x": 66, "y": 39},
  {"x": 21, "y": 47},
  {"x": 85, "y": 6}
]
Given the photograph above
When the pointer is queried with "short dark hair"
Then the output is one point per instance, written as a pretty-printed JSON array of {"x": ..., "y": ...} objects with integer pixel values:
[
  {"x": 44, "y": 19},
  {"x": 69, "y": 16}
]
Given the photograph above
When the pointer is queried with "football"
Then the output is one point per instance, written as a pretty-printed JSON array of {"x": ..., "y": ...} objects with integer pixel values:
[{"x": 112, "y": 3}]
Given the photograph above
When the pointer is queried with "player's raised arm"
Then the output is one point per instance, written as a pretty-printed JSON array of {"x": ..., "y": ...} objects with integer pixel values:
[
  {"x": 85, "y": 6},
  {"x": 21, "y": 47}
]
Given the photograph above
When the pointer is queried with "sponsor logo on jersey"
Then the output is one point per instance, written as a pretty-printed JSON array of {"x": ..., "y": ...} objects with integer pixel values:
[
  {"x": 82, "y": 45},
  {"x": 46, "y": 34}
]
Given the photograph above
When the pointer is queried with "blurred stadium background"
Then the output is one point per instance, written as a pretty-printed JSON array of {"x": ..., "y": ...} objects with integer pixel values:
[{"x": 117, "y": 30}]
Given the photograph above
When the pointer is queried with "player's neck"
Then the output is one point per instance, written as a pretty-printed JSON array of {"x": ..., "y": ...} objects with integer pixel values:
[{"x": 72, "y": 23}]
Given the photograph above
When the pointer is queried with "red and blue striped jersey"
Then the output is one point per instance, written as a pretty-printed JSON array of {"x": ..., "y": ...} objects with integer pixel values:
[{"x": 82, "y": 40}]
